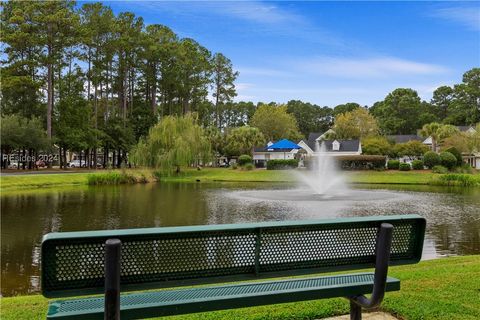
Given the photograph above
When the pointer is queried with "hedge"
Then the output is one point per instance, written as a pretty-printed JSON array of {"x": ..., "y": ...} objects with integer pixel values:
[
  {"x": 393, "y": 164},
  {"x": 244, "y": 159},
  {"x": 431, "y": 159},
  {"x": 456, "y": 153},
  {"x": 448, "y": 160},
  {"x": 417, "y": 165},
  {"x": 404, "y": 166},
  {"x": 361, "y": 162},
  {"x": 282, "y": 164}
]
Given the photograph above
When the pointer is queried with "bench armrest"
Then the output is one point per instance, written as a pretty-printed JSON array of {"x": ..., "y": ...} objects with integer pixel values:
[{"x": 383, "y": 245}]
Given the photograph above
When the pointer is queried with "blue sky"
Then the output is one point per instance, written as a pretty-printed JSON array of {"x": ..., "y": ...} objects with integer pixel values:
[{"x": 328, "y": 52}]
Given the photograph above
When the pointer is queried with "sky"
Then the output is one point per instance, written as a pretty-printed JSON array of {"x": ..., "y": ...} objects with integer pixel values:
[{"x": 328, "y": 53}]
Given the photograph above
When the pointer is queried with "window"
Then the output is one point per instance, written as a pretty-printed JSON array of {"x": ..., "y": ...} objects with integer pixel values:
[{"x": 336, "y": 145}]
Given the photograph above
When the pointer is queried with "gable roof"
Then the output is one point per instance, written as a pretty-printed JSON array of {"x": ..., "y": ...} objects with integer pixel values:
[
  {"x": 345, "y": 145},
  {"x": 465, "y": 128}
]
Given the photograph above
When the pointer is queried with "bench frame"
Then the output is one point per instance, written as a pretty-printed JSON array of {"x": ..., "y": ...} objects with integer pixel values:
[
  {"x": 383, "y": 245},
  {"x": 113, "y": 248}
]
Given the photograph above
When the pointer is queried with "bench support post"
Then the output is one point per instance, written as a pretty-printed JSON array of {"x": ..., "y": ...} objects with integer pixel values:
[
  {"x": 383, "y": 246},
  {"x": 355, "y": 311},
  {"x": 112, "y": 279}
]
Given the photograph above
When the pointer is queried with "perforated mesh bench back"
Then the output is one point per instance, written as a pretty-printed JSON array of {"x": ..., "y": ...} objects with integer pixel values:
[{"x": 73, "y": 262}]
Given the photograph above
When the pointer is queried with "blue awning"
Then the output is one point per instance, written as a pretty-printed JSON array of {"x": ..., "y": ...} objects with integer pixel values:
[{"x": 284, "y": 144}]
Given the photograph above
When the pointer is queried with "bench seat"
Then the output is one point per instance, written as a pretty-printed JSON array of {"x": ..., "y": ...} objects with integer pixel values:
[{"x": 219, "y": 297}]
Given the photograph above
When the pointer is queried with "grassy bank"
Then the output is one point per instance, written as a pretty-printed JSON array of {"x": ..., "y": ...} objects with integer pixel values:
[
  {"x": 437, "y": 289},
  {"x": 36, "y": 181}
]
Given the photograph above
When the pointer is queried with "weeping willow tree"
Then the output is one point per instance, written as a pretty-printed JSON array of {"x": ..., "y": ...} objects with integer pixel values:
[{"x": 175, "y": 142}]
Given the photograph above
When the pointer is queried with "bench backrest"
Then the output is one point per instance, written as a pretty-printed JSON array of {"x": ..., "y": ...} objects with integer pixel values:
[{"x": 73, "y": 262}]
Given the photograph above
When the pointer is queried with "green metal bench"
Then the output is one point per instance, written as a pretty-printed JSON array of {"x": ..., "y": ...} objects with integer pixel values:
[{"x": 85, "y": 263}]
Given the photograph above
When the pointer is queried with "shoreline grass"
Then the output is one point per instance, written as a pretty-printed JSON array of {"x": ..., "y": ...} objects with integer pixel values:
[
  {"x": 446, "y": 288},
  {"x": 19, "y": 183}
]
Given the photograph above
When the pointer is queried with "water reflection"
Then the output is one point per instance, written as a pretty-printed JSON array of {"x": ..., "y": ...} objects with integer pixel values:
[{"x": 453, "y": 215}]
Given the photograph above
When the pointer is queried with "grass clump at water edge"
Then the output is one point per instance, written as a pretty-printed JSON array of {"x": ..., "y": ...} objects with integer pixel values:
[{"x": 119, "y": 177}]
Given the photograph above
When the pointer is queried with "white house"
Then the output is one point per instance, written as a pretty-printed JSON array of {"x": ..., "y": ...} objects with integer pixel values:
[
  {"x": 335, "y": 147},
  {"x": 263, "y": 154}
]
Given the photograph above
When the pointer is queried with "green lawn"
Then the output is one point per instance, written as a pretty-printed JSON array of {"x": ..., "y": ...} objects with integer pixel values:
[
  {"x": 40, "y": 181},
  {"x": 446, "y": 288}
]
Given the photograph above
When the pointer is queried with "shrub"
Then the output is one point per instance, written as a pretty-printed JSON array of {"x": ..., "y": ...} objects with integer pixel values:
[
  {"x": 448, "y": 160},
  {"x": 404, "y": 166},
  {"x": 439, "y": 169},
  {"x": 431, "y": 159},
  {"x": 282, "y": 164},
  {"x": 361, "y": 162},
  {"x": 249, "y": 166},
  {"x": 453, "y": 179},
  {"x": 111, "y": 177},
  {"x": 393, "y": 164},
  {"x": 464, "y": 168},
  {"x": 456, "y": 153},
  {"x": 417, "y": 165},
  {"x": 234, "y": 166},
  {"x": 244, "y": 159}
]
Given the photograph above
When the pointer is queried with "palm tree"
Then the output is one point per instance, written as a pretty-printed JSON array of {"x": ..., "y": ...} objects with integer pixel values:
[
  {"x": 437, "y": 132},
  {"x": 431, "y": 130}
]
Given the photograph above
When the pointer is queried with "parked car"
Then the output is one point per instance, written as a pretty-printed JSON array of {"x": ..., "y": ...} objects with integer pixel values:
[
  {"x": 13, "y": 165},
  {"x": 76, "y": 164}
]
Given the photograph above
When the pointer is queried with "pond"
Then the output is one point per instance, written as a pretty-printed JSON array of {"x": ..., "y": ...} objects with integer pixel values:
[{"x": 453, "y": 215}]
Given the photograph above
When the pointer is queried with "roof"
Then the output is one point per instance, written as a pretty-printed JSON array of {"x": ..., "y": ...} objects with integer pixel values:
[
  {"x": 402, "y": 138},
  {"x": 345, "y": 145},
  {"x": 279, "y": 146},
  {"x": 312, "y": 137},
  {"x": 464, "y": 128},
  {"x": 284, "y": 144}
]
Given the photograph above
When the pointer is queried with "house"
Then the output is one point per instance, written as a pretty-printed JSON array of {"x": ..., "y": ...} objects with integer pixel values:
[
  {"x": 281, "y": 150},
  {"x": 466, "y": 129},
  {"x": 336, "y": 147}
]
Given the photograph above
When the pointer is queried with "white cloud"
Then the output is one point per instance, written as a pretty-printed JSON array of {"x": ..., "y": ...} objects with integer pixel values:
[
  {"x": 468, "y": 16},
  {"x": 376, "y": 67},
  {"x": 263, "y": 72}
]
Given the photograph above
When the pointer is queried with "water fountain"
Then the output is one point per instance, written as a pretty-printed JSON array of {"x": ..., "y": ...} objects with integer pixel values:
[{"x": 323, "y": 176}]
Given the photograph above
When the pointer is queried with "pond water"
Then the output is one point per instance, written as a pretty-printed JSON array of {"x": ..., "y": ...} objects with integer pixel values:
[{"x": 453, "y": 215}]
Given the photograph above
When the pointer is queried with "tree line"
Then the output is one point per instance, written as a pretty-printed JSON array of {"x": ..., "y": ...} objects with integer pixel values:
[
  {"x": 89, "y": 81},
  {"x": 97, "y": 80}
]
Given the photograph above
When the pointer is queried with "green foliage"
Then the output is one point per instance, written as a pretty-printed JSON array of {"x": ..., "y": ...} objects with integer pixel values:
[
  {"x": 172, "y": 143},
  {"x": 361, "y": 162},
  {"x": 249, "y": 166},
  {"x": 234, "y": 166},
  {"x": 410, "y": 149},
  {"x": 417, "y": 165},
  {"x": 464, "y": 168},
  {"x": 456, "y": 153},
  {"x": 393, "y": 164},
  {"x": 439, "y": 169},
  {"x": 456, "y": 179},
  {"x": 242, "y": 140},
  {"x": 355, "y": 124},
  {"x": 343, "y": 108},
  {"x": 282, "y": 164},
  {"x": 310, "y": 117},
  {"x": 431, "y": 159},
  {"x": 275, "y": 123},
  {"x": 448, "y": 160},
  {"x": 376, "y": 145},
  {"x": 18, "y": 132},
  {"x": 244, "y": 159},
  {"x": 112, "y": 177},
  {"x": 404, "y": 166},
  {"x": 401, "y": 112}
]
